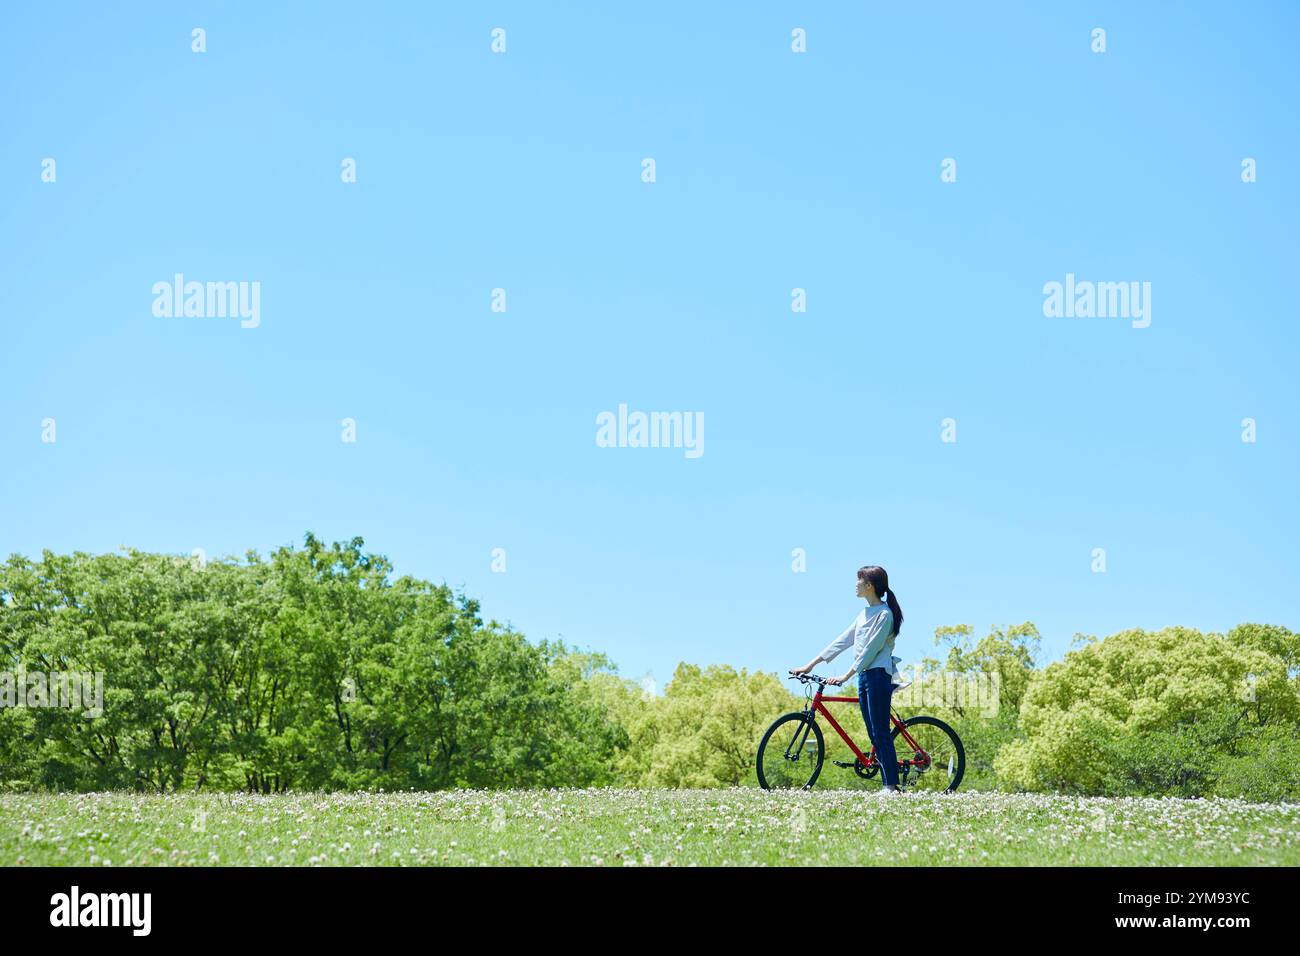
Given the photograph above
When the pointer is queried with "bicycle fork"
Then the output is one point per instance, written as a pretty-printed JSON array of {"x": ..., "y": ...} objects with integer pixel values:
[{"x": 801, "y": 738}]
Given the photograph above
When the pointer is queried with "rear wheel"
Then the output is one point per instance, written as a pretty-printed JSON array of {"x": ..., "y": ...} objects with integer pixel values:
[
  {"x": 790, "y": 754},
  {"x": 940, "y": 763}
]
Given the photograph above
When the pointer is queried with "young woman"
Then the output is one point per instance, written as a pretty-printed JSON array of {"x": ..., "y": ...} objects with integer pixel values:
[{"x": 872, "y": 635}]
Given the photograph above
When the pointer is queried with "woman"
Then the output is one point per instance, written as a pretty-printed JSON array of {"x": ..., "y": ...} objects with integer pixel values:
[{"x": 872, "y": 635}]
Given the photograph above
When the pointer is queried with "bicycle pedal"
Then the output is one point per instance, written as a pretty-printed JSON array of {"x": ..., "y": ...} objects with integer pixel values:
[{"x": 843, "y": 763}]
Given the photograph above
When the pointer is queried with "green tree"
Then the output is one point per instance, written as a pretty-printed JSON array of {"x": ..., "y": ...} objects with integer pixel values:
[
  {"x": 704, "y": 732},
  {"x": 1120, "y": 714}
]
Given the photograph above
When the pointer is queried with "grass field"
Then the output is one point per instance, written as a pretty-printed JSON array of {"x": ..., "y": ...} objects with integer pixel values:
[{"x": 651, "y": 828}]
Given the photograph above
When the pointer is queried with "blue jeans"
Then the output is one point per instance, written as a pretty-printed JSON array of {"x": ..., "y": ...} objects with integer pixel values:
[{"x": 875, "y": 690}]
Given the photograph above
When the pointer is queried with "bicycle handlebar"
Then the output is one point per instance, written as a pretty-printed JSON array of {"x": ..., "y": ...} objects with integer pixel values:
[{"x": 807, "y": 678}]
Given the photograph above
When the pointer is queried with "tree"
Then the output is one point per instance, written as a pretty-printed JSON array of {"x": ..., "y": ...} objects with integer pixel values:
[
  {"x": 1116, "y": 702},
  {"x": 705, "y": 730}
]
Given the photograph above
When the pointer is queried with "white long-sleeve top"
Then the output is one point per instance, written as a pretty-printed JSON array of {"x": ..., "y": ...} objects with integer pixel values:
[{"x": 872, "y": 637}]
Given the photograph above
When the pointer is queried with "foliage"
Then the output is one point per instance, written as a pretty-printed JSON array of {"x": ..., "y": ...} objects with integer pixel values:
[
  {"x": 307, "y": 669},
  {"x": 314, "y": 668},
  {"x": 1167, "y": 712}
]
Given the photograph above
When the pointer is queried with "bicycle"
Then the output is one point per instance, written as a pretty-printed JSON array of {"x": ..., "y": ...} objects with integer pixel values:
[{"x": 796, "y": 765}]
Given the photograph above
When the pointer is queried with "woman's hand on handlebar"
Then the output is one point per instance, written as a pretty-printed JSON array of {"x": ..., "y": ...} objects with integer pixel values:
[{"x": 807, "y": 667}]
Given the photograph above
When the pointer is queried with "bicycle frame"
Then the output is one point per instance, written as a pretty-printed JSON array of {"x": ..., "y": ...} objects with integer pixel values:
[{"x": 819, "y": 705}]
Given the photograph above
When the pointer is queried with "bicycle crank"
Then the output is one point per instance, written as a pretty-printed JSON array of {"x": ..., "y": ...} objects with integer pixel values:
[{"x": 866, "y": 773}]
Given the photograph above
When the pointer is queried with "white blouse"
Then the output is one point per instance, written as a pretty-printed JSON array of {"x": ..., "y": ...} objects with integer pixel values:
[{"x": 872, "y": 637}]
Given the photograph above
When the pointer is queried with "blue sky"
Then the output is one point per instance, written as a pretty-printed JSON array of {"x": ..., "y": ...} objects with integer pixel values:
[{"x": 774, "y": 170}]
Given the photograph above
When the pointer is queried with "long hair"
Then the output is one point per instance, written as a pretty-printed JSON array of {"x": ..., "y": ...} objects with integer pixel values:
[{"x": 875, "y": 575}]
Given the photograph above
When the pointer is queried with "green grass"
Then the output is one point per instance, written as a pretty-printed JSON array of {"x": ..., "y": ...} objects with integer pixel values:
[{"x": 648, "y": 827}]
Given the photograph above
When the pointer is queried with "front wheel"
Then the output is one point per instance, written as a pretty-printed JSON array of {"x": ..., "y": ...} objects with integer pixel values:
[
  {"x": 940, "y": 762},
  {"x": 790, "y": 754}
]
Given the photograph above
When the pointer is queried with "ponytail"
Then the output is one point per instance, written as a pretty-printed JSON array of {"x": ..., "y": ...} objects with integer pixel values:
[{"x": 894, "y": 609}]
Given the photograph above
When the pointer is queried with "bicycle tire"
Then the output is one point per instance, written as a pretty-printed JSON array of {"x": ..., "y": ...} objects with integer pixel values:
[
  {"x": 793, "y": 734},
  {"x": 958, "y": 751}
]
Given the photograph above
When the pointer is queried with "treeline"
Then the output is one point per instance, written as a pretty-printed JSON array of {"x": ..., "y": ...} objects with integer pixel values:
[
  {"x": 311, "y": 668},
  {"x": 316, "y": 668}
]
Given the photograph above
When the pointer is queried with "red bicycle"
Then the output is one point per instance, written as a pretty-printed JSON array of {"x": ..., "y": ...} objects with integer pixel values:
[{"x": 790, "y": 755}]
